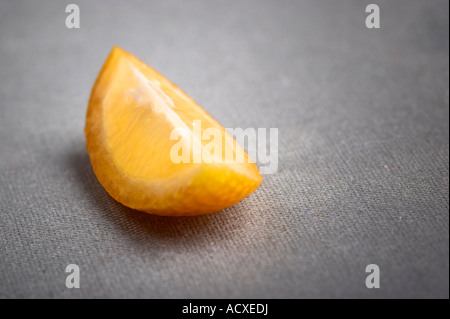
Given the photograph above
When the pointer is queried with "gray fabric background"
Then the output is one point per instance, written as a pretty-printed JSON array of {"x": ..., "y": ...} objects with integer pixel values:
[{"x": 363, "y": 118}]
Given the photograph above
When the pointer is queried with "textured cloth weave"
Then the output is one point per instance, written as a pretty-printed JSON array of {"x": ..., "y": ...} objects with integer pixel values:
[{"x": 363, "y": 176}]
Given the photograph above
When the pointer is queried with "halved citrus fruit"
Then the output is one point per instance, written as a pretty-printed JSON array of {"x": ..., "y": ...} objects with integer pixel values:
[{"x": 134, "y": 113}]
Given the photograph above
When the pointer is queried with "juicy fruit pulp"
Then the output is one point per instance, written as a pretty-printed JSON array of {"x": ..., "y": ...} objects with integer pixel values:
[{"x": 132, "y": 111}]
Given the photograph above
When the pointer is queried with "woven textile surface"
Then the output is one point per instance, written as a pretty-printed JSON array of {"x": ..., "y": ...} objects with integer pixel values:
[{"x": 363, "y": 173}]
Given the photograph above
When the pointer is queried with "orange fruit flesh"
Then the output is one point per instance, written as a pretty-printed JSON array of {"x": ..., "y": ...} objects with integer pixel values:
[{"x": 131, "y": 114}]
